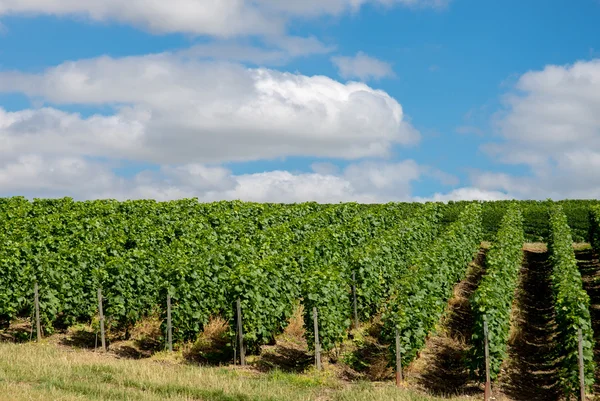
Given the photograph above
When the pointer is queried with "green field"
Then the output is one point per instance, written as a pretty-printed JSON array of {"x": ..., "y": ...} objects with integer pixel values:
[
  {"x": 433, "y": 273},
  {"x": 49, "y": 372}
]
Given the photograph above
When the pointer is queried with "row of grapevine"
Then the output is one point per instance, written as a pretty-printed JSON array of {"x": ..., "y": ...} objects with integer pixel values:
[
  {"x": 571, "y": 304},
  {"x": 421, "y": 295},
  {"x": 206, "y": 282},
  {"x": 72, "y": 248},
  {"x": 328, "y": 265},
  {"x": 594, "y": 218},
  {"x": 204, "y": 255},
  {"x": 289, "y": 273},
  {"x": 493, "y": 298},
  {"x": 535, "y": 217},
  {"x": 270, "y": 256},
  {"x": 382, "y": 262}
]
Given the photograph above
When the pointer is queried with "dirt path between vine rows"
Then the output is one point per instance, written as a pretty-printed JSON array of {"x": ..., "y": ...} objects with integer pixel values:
[
  {"x": 589, "y": 266},
  {"x": 440, "y": 368},
  {"x": 530, "y": 371}
]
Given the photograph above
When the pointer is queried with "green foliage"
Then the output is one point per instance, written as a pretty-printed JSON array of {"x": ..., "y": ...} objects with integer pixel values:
[
  {"x": 382, "y": 261},
  {"x": 578, "y": 217},
  {"x": 421, "y": 295},
  {"x": 325, "y": 273},
  {"x": 206, "y": 255},
  {"x": 535, "y": 217},
  {"x": 327, "y": 291},
  {"x": 571, "y": 303},
  {"x": 214, "y": 271},
  {"x": 594, "y": 230},
  {"x": 268, "y": 281},
  {"x": 494, "y": 297},
  {"x": 451, "y": 211}
]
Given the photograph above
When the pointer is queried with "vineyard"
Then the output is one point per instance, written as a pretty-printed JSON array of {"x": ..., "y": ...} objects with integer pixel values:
[{"x": 393, "y": 266}]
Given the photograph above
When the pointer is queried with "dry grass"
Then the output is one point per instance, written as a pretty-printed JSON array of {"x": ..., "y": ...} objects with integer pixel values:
[
  {"x": 541, "y": 247},
  {"x": 517, "y": 314},
  {"x": 46, "y": 372},
  {"x": 538, "y": 247},
  {"x": 582, "y": 246},
  {"x": 216, "y": 328},
  {"x": 366, "y": 355},
  {"x": 147, "y": 333},
  {"x": 212, "y": 345},
  {"x": 295, "y": 328},
  {"x": 290, "y": 352}
]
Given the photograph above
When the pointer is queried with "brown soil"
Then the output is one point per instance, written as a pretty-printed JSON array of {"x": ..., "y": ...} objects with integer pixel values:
[
  {"x": 290, "y": 352},
  {"x": 18, "y": 331},
  {"x": 589, "y": 266},
  {"x": 530, "y": 372},
  {"x": 441, "y": 367}
]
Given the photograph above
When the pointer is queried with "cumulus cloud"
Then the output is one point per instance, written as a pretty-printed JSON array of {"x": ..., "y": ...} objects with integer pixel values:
[
  {"x": 363, "y": 67},
  {"x": 467, "y": 193},
  {"x": 219, "y": 18},
  {"x": 170, "y": 109},
  {"x": 81, "y": 178},
  {"x": 273, "y": 51},
  {"x": 551, "y": 125},
  {"x": 185, "y": 114},
  {"x": 223, "y": 18}
]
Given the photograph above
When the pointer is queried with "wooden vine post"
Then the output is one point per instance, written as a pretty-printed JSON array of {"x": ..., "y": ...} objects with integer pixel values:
[
  {"x": 240, "y": 333},
  {"x": 101, "y": 313},
  {"x": 488, "y": 382},
  {"x": 169, "y": 326},
  {"x": 399, "y": 377},
  {"x": 355, "y": 302},
  {"x": 317, "y": 344},
  {"x": 581, "y": 366},
  {"x": 38, "y": 323}
]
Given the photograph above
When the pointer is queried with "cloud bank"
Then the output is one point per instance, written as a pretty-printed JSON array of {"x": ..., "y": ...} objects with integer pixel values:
[
  {"x": 169, "y": 109},
  {"x": 551, "y": 125},
  {"x": 363, "y": 67},
  {"x": 222, "y": 18}
]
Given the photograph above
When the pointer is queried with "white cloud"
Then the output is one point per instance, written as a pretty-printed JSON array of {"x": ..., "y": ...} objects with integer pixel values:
[
  {"x": 467, "y": 193},
  {"x": 187, "y": 115},
  {"x": 273, "y": 51},
  {"x": 550, "y": 124},
  {"x": 171, "y": 109},
  {"x": 35, "y": 175},
  {"x": 363, "y": 67},
  {"x": 324, "y": 168},
  {"x": 47, "y": 176},
  {"x": 381, "y": 178},
  {"x": 223, "y": 18},
  {"x": 219, "y": 18}
]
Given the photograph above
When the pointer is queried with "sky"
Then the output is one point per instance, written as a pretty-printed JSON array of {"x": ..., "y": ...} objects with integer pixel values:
[{"x": 290, "y": 101}]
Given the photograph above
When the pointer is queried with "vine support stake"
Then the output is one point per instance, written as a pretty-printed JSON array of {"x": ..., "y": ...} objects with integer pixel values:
[
  {"x": 101, "y": 313},
  {"x": 355, "y": 303},
  {"x": 488, "y": 383},
  {"x": 169, "y": 327},
  {"x": 317, "y": 344},
  {"x": 240, "y": 332},
  {"x": 399, "y": 377},
  {"x": 38, "y": 324},
  {"x": 581, "y": 366}
]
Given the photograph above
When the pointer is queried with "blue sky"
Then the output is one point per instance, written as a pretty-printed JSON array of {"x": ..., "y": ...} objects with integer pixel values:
[{"x": 224, "y": 100}]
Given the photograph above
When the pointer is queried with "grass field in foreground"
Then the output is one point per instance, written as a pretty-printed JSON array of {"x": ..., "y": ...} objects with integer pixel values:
[{"x": 50, "y": 372}]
